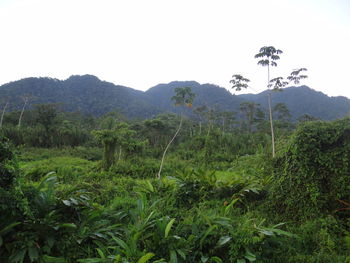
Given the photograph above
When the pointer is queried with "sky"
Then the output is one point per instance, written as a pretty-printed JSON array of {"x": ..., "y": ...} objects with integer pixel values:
[{"x": 139, "y": 43}]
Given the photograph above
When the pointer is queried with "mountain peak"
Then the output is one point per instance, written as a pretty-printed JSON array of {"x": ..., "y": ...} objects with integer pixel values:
[{"x": 86, "y": 77}]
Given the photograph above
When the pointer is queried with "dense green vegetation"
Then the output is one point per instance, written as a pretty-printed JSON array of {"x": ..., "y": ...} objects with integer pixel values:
[{"x": 77, "y": 188}]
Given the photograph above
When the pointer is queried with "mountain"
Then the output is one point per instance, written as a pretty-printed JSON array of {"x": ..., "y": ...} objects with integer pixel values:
[
  {"x": 303, "y": 100},
  {"x": 84, "y": 93},
  {"x": 206, "y": 94},
  {"x": 89, "y": 94}
]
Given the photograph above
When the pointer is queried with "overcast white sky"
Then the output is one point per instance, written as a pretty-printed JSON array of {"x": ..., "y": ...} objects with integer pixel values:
[{"x": 139, "y": 43}]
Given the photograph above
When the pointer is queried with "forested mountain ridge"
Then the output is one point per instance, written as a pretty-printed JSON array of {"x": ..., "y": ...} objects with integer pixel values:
[
  {"x": 84, "y": 93},
  {"x": 304, "y": 100},
  {"x": 90, "y": 95},
  {"x": 208, "y": 95}
]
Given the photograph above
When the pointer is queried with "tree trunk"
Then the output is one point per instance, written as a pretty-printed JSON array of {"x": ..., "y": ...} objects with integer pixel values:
[
  {"x": 270, "y": 112},
  {"x": 209, "y": 127},
  {"x": 223, "y": 125},
  {"x": 120, "y": 154},
  {"x": 109, "y": 155},
  {"x": 271, "y": 126},
  {"x": 167, "y": 147},
  {"x": 20, "y": 117},
  {"x": 3, "y": 113}
]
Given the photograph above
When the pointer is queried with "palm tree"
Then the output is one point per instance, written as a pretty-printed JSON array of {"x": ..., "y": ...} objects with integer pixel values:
[
  {"x": 120, "y": 135},
  {"x": 183, "y": 97},
  {"x": 269, "y": 55}
]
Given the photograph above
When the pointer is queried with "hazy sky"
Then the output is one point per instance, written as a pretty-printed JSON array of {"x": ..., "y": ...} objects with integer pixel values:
[{"x": 141, "y": 43}]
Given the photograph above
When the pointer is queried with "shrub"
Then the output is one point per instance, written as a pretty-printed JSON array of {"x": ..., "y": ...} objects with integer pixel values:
[
  {"x": 8, "y": 164},
  {"x": 313, "y": 172}
]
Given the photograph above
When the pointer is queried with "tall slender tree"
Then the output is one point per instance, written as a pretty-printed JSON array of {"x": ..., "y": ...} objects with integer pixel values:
[
  {"x": 183, "y": 97},
  {"x": 268, "y": 56},
  {"x": 25, "y": 98},
  {"x": 200, "y": 112},
  {"x": 3, "y": 113}
]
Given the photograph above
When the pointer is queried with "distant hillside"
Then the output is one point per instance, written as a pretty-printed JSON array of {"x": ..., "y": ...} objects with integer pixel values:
[
  {"x": 84, "y": 93},
  {"x": 90, "y": 95},
  {"x": 303, "y": 100},
  {"x": 206, "y": 94}
]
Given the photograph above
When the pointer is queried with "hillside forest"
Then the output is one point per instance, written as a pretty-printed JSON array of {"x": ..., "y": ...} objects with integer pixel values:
[{"x": 202, "y": 184}]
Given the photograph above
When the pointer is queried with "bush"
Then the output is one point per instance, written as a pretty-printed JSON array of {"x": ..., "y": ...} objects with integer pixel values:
[
  {"x": 8, "y": 164},
  {"x": 313, "y": 172}
]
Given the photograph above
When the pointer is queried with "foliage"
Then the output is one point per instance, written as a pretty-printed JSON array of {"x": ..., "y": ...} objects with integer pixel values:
[
  {"x": 295, "y": 75},
  {"x": 8, "y": 164},
  {"x": 221, "y": 198},
  {"x": 121, "y": 136},
  {"x": 239, "y": 82},
  {"x": 313, "y": 172}
]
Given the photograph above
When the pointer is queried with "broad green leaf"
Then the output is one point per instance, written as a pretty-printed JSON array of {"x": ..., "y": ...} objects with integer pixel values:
[
  {"x": 49, "y": 259},
  {"x": 204, "y": 259},
  {"x": 266, "y": 232},
  {"x": 18, "y": 257},
  {"x": 145, "y": 258},
  {"x": 33, "y": 254},
  {"x": 168, "y": 227},
  {"x": 50, "y": 241},
  {"x": 223, "y": 240},
  {"x": 67, "y": 225},
  {"x": 278, "y": 225},
  {"x": 250, "y": 256},
  {"x": 150, "y": 186},
  {"x": 209, "y": 230},
  {"x": 242, "y": 260},
  {"x": 173, "y": 257},
  {"x": 91, "y": 260},
  {"x": 100, "y": 252},
  {"x": 118, "y": 259},
  {"x": 121, "y": 243},
  {"x": 181, "y": 253},
  {"x": 8, "y": 228},
  {"x": 66, "y": 202},
  {"x": 149, "y": 217},
  {"x": 216, "y": 259},
  {"x": 282, "y": 232}
]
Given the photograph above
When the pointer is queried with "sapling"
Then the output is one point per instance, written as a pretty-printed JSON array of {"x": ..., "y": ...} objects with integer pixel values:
[{"x": 183, "y": 97}]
